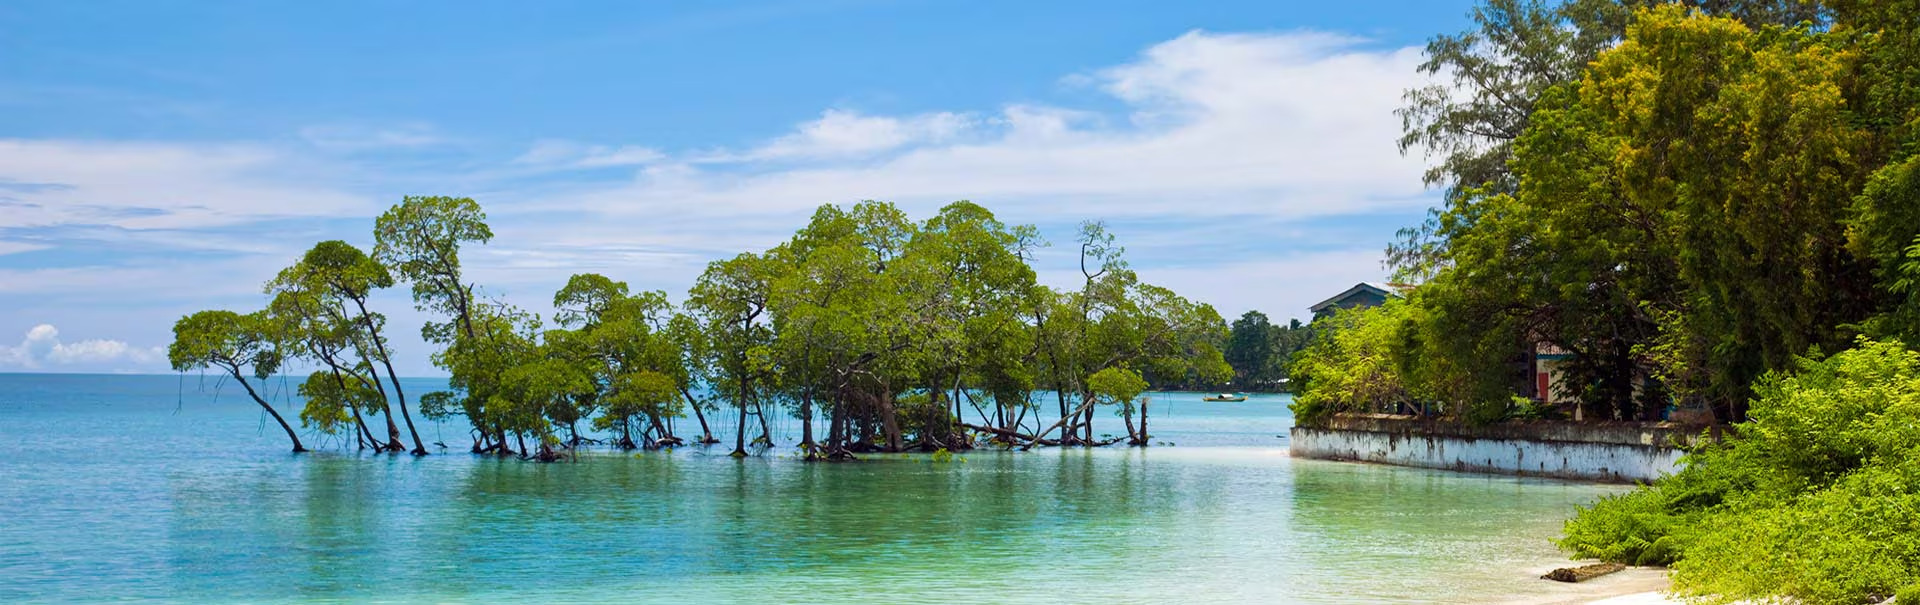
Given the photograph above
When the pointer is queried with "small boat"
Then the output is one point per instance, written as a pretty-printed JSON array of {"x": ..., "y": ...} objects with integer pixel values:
[{"x": 1225, "y": 397}]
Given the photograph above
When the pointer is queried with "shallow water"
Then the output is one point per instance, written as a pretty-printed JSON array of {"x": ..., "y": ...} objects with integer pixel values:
[{"x": 145, "y": 488}]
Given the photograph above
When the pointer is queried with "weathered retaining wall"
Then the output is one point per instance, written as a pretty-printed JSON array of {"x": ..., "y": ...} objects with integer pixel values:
[{"x": 1619, "y": 452}]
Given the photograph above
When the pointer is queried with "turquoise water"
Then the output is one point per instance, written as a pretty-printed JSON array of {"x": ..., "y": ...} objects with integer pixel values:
[{"x": 145, "y": 488}]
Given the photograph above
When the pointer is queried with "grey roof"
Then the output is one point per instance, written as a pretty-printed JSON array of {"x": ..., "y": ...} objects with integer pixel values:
[{"x": 1356, "y": 289}]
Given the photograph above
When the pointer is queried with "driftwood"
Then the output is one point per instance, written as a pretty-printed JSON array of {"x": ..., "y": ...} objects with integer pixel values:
[
  {"x": 1583, "y": 572},
  {"x": 1063, "y": 421},
  {"x": 1030, "y": 440},
  {"x": 1009, "y": 434}
]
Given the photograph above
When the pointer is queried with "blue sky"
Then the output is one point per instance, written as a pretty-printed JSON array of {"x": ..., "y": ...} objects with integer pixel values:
[{"x": 159, "y": 158}]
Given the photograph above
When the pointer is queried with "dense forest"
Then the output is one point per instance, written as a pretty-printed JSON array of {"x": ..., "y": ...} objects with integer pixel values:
[
  {"x": 1681, "y": 197},
  {"x": 877, "y": 333},
  {"x": 1710, "y": 205},
  {"x": 1261, "y": 352}
]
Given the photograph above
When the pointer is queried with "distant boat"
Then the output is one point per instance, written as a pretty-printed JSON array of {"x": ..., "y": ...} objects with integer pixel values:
[{"x": 1225, "y": 397}]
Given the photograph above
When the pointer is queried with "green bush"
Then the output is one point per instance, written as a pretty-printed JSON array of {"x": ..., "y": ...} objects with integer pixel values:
[
  {"x": 1349, "y": 366},
  {"x": 1661, "y": 553},
  {"x": 1622, "y": 528},
  {"x": 1909, "y": 595},
  {"x": 1817, "y": 497}
]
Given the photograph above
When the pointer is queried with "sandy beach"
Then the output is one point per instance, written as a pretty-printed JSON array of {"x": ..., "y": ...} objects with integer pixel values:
[{"x": 1633, "y": 586}]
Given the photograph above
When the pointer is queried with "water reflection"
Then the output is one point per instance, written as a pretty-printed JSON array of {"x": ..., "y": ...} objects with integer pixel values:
[{"x": 146, "y": 510}]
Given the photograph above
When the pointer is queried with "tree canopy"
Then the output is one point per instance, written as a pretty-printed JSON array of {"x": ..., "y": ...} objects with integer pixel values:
[{"x": 894, "y": 334}]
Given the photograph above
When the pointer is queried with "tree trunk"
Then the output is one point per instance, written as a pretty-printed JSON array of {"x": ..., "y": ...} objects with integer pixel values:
[
  {"x": 1087, "y": 426},
  {"x": 666, "y": 436},
  {"x": 386, "y": 409},
  {"x": 806, "y": 424},
  {"x": 1145, "y": 439},
  {"x": 890, "y": 420},
  {"x": 1009, "y": 435},
  {"x": 706, "y": 434},
  {"x": 386, "y": 360},
  {"x": 363, "y": 436},
  {"x": 1085, "y": 405},
  {"x": 295, "y": 437},
  {"x": 760, "y": 411},
  {"x": 1061, "y": 394},
  {"x": 740, "y": 428},
  {"x": 393, "y": 432},
  {"x": 836, "y": 427}
]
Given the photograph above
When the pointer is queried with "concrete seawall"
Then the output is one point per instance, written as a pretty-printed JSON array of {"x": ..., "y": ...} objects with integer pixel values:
[{"x": 1618, "y": 453}]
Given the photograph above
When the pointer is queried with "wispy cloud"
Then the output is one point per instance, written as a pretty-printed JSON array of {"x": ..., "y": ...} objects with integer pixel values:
[
  {"x": 1283, "y": 287},
  {"x": 349, "y": 136},
  {"x": 11, "y": 247},
  {"x": 1247, "y": 130},
  {"x": 143, "y": 185},
  {"x": 1290, "y": 125},
  {"x": 146, "y": 279},
  {"x": 843, "y": 134},
  {"x": 562, "y": 154}
]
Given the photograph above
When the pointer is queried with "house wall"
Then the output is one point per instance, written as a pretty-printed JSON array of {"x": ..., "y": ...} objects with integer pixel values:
[{"x": 1616, "y": 453}]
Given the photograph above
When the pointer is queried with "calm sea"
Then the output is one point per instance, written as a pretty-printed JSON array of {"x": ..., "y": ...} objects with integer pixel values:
[{"x": 160, "y": 488}]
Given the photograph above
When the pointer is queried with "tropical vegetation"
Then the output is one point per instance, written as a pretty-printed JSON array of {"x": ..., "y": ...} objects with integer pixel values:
[
  {"x": 875, "y": 332},
  {"x": 1706, "y": 205}
]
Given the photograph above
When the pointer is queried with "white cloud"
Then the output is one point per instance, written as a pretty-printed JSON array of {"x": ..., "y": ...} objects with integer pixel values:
[
  {"x": 1289, "y": 126},
  {"x": 45, "y": 183},
  {"x": 559, "y": 154},
  {"x": 42, "y": 347},
  {"x": 145, "y": 279},
  {"x": 1202, "y": 130},
  {"x": 1280, "y": 287},
  {"x": 842, "y": 134},
  {"x": 12, "y": 247},
  {"x": 349, "y": 137}
]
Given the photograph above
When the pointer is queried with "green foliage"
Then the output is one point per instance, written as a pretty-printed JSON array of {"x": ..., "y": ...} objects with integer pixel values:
[
  {"x": 420, "y": 238},
  {"x": 887, "y": 329},
  {"x": 331, "y": 400},
  {"x": 440, "y": 405},
  {"x": 1624, "y": 528},
  {"x": 1351, "y": 365},
  {"x": 1522, "y": 408},
  {"x": 1681, "y": 199},
  {"x": 239, "y": 345},
  {"x": 1249, "y": 346},
  {"x": 1116, "y": 385},
  {"x": 236, "y": 345},
  {"x": 1816, "y": 498}
]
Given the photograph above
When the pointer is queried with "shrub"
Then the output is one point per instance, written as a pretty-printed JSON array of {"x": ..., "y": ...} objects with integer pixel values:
[
  {"x": 1349, "y": 366},
  {"x": 1622, "y": 528},
  {"x": 1817, "y": 497}
]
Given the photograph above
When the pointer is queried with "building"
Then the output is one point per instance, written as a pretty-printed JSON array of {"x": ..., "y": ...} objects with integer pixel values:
[
  {"x": 1546, "y": 377},
  {"x": 1360, "y": 295}
]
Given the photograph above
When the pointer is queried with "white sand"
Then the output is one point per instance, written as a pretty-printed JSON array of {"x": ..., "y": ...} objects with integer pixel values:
[
  {"x": 1632, "y": 586},
  {"x": 1644, "y": 598}
]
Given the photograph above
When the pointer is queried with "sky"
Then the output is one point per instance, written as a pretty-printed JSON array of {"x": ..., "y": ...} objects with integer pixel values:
[{"x": 158, "y": 158}]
